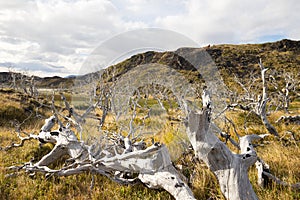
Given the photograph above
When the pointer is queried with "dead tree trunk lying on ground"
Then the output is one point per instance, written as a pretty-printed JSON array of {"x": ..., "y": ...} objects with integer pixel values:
[{"x": 152, "y": 164}]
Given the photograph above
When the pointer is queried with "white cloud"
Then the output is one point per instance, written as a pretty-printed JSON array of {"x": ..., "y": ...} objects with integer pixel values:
[
  {"x": 57, "y": 32},
  {"x": 34, "y": 68},
  {"x": 148, "y": 10},
  {"x": 233, "y": 21}
]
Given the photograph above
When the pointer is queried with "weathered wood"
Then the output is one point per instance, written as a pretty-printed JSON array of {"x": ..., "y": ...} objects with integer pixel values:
[
  {"x": 152, "y": 164},
  {"x": 169, "y": 180},
  {"x": 262, "y": 167},
  {"x": 230, "y": 169},
  {"x": 289, "y": 119},
  {"x": 258, "y": 105},
  {"x": 262, "y": 103}
]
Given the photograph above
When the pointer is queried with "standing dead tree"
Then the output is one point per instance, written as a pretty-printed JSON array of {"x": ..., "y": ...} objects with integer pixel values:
[
  {"x": 261, "y": 107},
  {"x": 230, "y": 169},
  {"x": 32, "y": 87},
  {"x": 21, "y": 80},
  {"x": 257, "y": 105},
  {"x": 13, "y": 78},
  {"x": 287, "y": 94},
  {"x": 285, "y": 85}
]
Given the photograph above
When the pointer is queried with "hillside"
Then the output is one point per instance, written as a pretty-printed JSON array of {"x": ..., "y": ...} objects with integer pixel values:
[
  {"x": 281, "y": 55},
  {"x": 240, "y": 60}
]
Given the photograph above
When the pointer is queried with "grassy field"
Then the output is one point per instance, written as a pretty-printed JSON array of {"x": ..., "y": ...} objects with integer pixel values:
[{"x": 282, "y": 155}]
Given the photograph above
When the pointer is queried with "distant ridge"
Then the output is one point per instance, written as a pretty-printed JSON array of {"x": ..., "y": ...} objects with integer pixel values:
[{"x": 71, "y": 76}]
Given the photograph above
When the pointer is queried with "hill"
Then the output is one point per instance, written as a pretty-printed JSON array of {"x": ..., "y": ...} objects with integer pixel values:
[{"x": 240, "y": 60}]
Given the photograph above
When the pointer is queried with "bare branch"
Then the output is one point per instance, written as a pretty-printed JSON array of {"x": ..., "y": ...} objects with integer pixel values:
[
  {"x": 280, "y": 182},
  {"x": 289, "y": 119}
]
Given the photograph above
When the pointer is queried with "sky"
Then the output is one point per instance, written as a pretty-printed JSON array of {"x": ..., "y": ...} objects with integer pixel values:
[{"x": 56, "y": 37}]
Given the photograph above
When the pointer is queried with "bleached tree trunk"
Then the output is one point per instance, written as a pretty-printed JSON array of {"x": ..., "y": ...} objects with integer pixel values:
[
  {"x": 230, "y": 169},
  {"x": 262, "y": 167},
  {"x": 32, "y": 88},
  {"x": 261, "y": 109},
  {"x": 286, "y": 98},
  {"x": 170, "y": 181},
  {"x": 13, "y": 77},
  {"x": 153, "y": 164}
]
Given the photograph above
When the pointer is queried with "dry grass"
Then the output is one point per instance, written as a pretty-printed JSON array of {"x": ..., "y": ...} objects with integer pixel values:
[
  {"x": 282, "y": 156},
  {"x": 284, "y": 162}
]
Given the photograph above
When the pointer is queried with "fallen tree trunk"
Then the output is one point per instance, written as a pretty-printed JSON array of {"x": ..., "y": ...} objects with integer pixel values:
[
  {"x": 169, "y": 180},
  {"x": 152, "y": 164}
]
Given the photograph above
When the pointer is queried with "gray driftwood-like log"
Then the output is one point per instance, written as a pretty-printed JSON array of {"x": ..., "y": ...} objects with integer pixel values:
[
  {"x": 230, "y": 169},
  {"x": 152, "y": 164}
]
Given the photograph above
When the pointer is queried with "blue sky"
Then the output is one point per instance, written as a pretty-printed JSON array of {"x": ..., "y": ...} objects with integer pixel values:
[{"x": 55, "y": 37}]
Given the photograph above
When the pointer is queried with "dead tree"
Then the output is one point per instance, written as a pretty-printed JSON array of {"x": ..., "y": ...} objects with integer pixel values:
[
  {"x": 32, "y": 87},
  {"x": 230, "y": 169},
  {"x": 153, "y": 164},
  {"x": 289, "y": 119},
  {"x": 13, "y": 76},
  {"x": 261, "y": 107},
  {"x": 285, "y": 91},
  {"x": 257, "y": 105},
  {"x": 119, "y": 156}
]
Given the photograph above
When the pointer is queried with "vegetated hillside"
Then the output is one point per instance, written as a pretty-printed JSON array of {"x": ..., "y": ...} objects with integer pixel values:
[
  {"x": 170, "y": 59},
  {"x": 55, "y": 82},
  {"x": 282, "y": 56}
]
